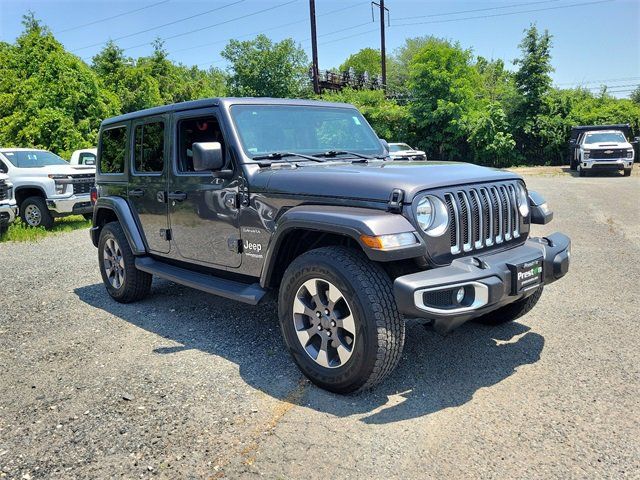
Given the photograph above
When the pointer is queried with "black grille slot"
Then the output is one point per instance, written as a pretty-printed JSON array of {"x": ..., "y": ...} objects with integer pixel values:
[
  {"x": 453, "y": 227},
  {"x": 4, "y": 192},
  {"x": 440, "y": 298},
  {"x": 475, "y": 216},
  {"x": 463, "y": 218}
]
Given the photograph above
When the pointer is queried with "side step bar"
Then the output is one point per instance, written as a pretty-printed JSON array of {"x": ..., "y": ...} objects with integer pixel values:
[{"x": 242, "y": 292}]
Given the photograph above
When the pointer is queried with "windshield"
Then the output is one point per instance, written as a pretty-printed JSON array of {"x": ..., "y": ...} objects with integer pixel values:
[
  {"x": 265, "y": 129},
  {"x": 33, "y": 158},
  {"x": 604, "y": 137},
  {"x": 397, "y": 147}
]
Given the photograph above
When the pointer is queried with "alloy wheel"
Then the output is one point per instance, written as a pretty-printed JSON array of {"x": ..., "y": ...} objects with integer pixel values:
[
  {"x": 324, "y": 323},
  {"x": 113, "y": 263}
]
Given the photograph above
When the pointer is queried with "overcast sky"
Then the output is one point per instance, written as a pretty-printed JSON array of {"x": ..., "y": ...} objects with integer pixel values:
[{"x": 594, "y": 41}]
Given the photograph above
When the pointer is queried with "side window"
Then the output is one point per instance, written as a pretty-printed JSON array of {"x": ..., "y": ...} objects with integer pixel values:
[
  {"x": 192, "y": 130},
  {"x": 114, "y": 147},
  {"x": 87, "y": 159},
  {"x": 149, "y": 148}
]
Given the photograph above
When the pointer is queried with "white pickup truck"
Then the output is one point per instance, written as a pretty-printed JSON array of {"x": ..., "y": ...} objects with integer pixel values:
[
  {"x": 46, "y": 186},
  {"x": 8, "y": 208}
]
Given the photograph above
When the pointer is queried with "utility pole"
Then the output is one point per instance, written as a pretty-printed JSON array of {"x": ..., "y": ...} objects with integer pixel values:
[
  {"x": 314, "y": 47},
  {"x": 383, "y": 52}
]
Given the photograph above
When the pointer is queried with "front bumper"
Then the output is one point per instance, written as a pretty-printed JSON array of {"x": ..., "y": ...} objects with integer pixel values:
[
  {"x": 8, "y": 213},
  {"x": 73, "y": 205},
  {"x": 488, "y": 280},
  {"x": 608, "y": 164}
]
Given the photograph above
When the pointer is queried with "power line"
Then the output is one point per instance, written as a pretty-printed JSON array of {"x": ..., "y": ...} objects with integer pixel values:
[
  {"x": 622, "y": 79},
  {"x": 476, "y": 10},
  {"x": 215, "y": 24},
  {"x": 295, "y": 22},
  {"x": 112, "y": 17},
  {"x": 160, "y": 26},
  {"x": 504, "y": 14}
]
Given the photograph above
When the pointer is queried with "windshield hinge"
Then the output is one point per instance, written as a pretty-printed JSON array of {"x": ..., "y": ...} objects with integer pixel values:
[{"x": 395, "y": 200}]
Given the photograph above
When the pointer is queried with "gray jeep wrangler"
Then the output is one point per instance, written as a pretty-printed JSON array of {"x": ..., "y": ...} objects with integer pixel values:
[{"x": 242, "y": 197}]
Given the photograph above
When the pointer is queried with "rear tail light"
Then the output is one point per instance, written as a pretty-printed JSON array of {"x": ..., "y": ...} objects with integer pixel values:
[{"x": 94, "y": 195}]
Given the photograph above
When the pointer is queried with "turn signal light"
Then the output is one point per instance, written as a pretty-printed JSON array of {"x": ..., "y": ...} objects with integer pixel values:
[{"x": 388, "y": 242}]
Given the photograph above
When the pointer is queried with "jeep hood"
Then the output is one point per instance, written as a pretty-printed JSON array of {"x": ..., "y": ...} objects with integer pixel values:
[{"x": 375, "y": 181}]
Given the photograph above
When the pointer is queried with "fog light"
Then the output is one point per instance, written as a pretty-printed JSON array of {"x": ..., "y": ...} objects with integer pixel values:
[{"x": 460, "y": 295}]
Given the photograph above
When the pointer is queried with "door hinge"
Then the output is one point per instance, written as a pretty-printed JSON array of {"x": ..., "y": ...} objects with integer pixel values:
[
  {"x": 395, "y": 200},
  {"x": 165, "y": 233}
]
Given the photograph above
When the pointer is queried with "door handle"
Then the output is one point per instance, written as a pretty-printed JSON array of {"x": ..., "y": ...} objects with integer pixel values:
[
  {"x": 177, "y": 196},
  {"x": 138, "y": 192}
]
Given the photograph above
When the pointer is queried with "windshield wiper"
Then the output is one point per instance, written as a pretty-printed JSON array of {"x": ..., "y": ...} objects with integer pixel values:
[
  {"x": 335, "y": 153},
  {"x": 281, "y": 155}
]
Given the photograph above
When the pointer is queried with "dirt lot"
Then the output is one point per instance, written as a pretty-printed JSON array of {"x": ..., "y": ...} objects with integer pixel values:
[{"x": 185, "y": 385}]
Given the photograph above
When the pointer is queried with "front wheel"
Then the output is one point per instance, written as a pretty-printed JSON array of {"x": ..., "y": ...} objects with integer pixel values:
[
  {"x": 627, "y": 172},
  {"x": 581, "y": 171},
  {"x": 511, "y": 312},
  {"x": 124, "y": 282},
  {"x": 34, "y": 212},
  {"x": 339, "y": 319}
]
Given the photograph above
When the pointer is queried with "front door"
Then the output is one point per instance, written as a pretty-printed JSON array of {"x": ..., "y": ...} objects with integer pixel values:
[
  {"x": 202, "y": 208},
  {"x": 148, "y": 181}
]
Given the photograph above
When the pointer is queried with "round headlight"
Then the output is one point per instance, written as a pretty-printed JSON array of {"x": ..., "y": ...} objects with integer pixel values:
[
  {"x": 523, "y": 200},
  {"x": 424, "y": 214},
  {"x": 432, "y": 216}
]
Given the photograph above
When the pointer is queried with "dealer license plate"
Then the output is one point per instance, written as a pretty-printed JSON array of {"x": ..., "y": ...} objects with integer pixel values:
[{"x": 527, "y": 275}]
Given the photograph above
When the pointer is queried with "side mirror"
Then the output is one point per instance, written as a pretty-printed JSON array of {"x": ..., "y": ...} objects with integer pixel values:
[
  {"x": 540, "y": 213},
  {"x": 207, "y": 156}
]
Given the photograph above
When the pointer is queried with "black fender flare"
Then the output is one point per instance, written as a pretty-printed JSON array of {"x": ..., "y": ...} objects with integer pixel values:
[
  {"x": 121, "y": 208},
  {"x": 352, "y": 222}
]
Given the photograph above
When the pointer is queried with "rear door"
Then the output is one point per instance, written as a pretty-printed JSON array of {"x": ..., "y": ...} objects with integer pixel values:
[
  {"x": 148, "y": 180},
  {"x": 203, "y": 208}
]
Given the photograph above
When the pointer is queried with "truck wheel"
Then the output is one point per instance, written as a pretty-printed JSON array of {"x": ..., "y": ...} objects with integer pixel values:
[
  {"x": 581, "y": 171},
  {"x": 627, "y": 172},
  {"x": 124, "y": 282},
  {"x": 3, "y": 229},
  {"x": 511, "y": 312},
  {"x": 34, "y": 212},
  {"x": 340, "y": 320},
  {"x": 573, "y": 164}
]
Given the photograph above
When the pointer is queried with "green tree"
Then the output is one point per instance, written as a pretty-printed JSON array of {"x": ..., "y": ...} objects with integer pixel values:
[
  {"x": 366, "y": 60},
  {"x": 635, "y": 95},
  {"x": 533, "y": 83},
  {"x": 262, "y": 68},
  {"x": 443, "y": 84},
  {"x": 49, "y": 98}
]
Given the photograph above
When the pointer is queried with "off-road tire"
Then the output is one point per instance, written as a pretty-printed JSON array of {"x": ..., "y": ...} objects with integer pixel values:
[
  {"x": 46, "y": 219},
  {"x": 136, "y": 284},
  {"x": 511, "y": 312},
  {"x": 379, "y": 327},
  {"x": 627, "y": 172}
]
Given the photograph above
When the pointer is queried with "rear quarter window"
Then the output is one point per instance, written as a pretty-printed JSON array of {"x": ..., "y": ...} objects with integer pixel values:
[{"x": 113, "y": 149}]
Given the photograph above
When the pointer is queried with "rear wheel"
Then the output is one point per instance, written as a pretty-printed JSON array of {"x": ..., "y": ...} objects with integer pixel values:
[
  {"x": 573, "y": 164},
  {"x": 124, "y": 282},
  {"x": 511, "y": 312},
  {"x": 34, "y": 212},
  {"x": 339, "y": 319}
]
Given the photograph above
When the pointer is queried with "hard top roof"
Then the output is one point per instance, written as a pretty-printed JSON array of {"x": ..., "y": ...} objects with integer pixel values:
[{"x": 223, "y": 101}]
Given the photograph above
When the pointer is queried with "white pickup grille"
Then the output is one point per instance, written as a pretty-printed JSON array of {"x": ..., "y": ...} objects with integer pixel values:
[{"x": 483, "y": 216}]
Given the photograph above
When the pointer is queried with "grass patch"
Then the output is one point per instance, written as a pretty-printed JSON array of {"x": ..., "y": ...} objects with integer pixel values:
[{"x": 21, "y": 232}]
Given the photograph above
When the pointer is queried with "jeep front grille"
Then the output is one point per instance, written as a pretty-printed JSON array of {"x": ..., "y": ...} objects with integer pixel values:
[{"x": 482, "y": 216}]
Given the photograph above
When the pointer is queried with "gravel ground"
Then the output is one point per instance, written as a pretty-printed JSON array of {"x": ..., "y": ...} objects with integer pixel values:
[{"x": 185, "y": 385}]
